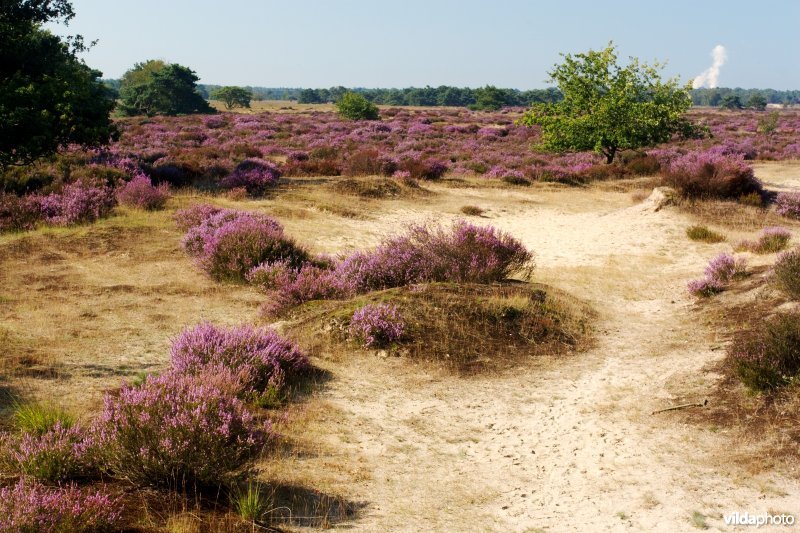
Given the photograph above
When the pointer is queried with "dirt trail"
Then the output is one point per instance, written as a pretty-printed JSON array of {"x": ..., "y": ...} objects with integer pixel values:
[{"x": 569, "y": 446}]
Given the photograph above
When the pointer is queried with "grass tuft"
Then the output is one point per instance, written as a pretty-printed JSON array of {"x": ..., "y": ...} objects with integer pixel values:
[{"x": 703, "y": 234}]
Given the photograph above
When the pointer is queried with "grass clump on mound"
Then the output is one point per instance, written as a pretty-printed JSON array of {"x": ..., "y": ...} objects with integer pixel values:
[
  {"x": 703, "y": 234},
  {"x": 464, "y": 327}
]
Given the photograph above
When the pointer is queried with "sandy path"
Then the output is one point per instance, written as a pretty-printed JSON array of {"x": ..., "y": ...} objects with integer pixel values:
[{"x": 569, "y": 446}]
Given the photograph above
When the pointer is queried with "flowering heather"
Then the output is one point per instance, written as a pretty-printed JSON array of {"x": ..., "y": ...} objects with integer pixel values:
[
  {"x": 255, "y": 175},
  {"x": 142, "y": 194},
  {"x": 228, "y": 243},
  {"x": 786, "y": 273},
  {"x": 258, "y": 359},
  {"x": 771, "y": 240},
  {"x": 31, "y": 507},
  {"x": 720, "y": 271},
  {"x": 377, "y": 325},
  {"x": 178, "y": 430},
  {"x": 77, "y": 203},
  {"x": 18, "y": 213},
  {"x": 194, "y": 215},
  {"x": 59, "y": 454},
  {"x": 788, "y": 204},
  {"x": 711, "y": 174}
]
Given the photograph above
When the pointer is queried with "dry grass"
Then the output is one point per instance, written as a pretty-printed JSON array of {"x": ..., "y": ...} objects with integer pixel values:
[
  {"x": 461, "y": 327},
  {"x": 733, "y": 215},
  {"x": 472, "y": 210}
]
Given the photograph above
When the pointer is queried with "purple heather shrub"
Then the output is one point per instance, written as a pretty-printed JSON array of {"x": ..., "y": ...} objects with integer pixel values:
[
  {"x": 258, "y": 359},
  {"x": 77, "y": 203},
  {"x": 704, "y": 287},
  {"x": 771, "y": 240},
  {"x": 788, "y": 204},
  {"x": 178, "y": 430},
  {"x": 712, "y": 174},
  {"x": 401, "y": 174},
  {"x": 724, "y": 268},
  {"x": 142, "y": 194},
  {"x": 502, "y": 172},
  {"x": 31, "y": 507},
  {"x": 60, "y": 454},
  {"x": 255, "y": 175},
  {"x": 194, "y": 215},
  {"x": 377, "y": 325},
  {"x": 19, "y": 213}
]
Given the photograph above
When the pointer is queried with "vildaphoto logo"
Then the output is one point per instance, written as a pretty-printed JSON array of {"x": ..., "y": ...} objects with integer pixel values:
[{"x": 758, "y": 520}]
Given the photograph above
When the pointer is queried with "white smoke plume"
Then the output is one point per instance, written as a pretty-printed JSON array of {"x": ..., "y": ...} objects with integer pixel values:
[{"x": 710, "y": 76}]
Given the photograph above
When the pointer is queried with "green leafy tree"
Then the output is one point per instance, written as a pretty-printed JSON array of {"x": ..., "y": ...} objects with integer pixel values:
[
  {"x": 157, "y": 88},
  {"x": 309, "y": 96},
  {"x": 731, "y": 101},
  {"x": 49, "y": 98},
  {"x": 233, "y": 97},
  {"x": 609, "y": 108},
  {"x": 768, "y": 124},
  {"x": 490, "y": 98},
  {"x": 355, "y": 106},
  {"x": 757, "y": 102}
]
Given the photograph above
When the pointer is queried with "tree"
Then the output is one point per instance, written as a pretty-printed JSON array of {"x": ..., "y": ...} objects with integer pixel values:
[
  {"x": 731, "y": 101},
  {"x": 354, "y": 106},
  {"x": 157, "y": 88},
  {"x": 609, "y": 108},
  {"x": 757, "y": 102},
  {"x": 309, "y": 96},
  {"x": 233, "y": 96},
  {"x": 490, "y": 98},
  {"x": 48, "y": 97}
]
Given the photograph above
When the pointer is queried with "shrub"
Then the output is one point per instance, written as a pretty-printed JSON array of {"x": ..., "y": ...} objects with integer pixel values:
[
  {"x": 77, "y": 203},
  {"x": 33, "y": 507},
  {"x": 18, "y": 213},
  {"x": 59, "y": 454},
  {"x": 142, "y": 194},
  {"x": 354, "y": 106},
  {"x": 720, "y": 271},
  {"x": 788, "y": 204},
  {"x": 258, "y": 359},
  {"x": 711, "y": 174},
  {"x": 771, "y": 240},
  {"x": 768, "y": 356},
  {"x": 787, "y": 273},
  {"x": 704, "y": 287},
  {"x": 255, "y": 175},
  {"x": 377, "y": 325},
  {"x": 178, "y": 430},
  {"x": 428, "y": 169},
  {"x": 702, "y": 233},
  {"x": 642, "y": 165},
  {"x": 228, "y": 244},
  {"x": 472, "y": 210},
  {"x": 194, "y": 215}
]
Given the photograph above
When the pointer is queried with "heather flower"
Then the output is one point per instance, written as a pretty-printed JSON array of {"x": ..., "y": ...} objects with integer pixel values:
[
  {"x": 712, "y": 174},
  {"x": 77, "y": 203},
  {"x": 194, "y": 215},
  {"x": 771, "y": 240},
  {"x": 18, "y": 213},
  {"x": 178, "y": 430},
  {"x": 255, "y": 175},
  {"x": 377, "y": 325},
  {"x": 720, "y": 271},
  {"x": 258, "y": 359},
  {"x": 140, "y": 193},
  {"x": 788, "y": 204},
  {"x": 60, "y": 454},
  {"x": 704, "y": 287},
  {"x": 29, "y": 506}
]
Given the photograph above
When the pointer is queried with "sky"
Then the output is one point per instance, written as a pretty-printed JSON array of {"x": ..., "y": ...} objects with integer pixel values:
[{"x": 506, "y": 43}]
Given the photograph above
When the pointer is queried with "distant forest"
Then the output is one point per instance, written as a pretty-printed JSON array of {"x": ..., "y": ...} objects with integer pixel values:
[{"x": 482, "y": 97}]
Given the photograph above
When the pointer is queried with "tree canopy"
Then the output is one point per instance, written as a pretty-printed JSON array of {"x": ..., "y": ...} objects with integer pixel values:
[
  {"x": 608, "y": 108},
  {"x": 233, "y": 96},
  {"x": 49, "y": 98},
  {"x": 158, "y": 88},
  {"x": 354, "y": 106}
]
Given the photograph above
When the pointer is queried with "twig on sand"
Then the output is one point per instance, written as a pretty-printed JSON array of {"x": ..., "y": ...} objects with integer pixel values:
[{"x": 682, "y": 406}]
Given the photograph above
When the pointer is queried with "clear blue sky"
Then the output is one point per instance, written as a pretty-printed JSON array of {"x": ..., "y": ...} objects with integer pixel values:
[{"x": 317, "y": 43}]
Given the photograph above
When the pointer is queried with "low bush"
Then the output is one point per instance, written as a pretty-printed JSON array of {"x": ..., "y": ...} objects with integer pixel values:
[
  {"x": 19, "y": 213},
  {"x": 31, "y": 507},
  {"x": 59, "y": 454},
  {"x": 257, "y": 176},
  {"x": 711, "y": 174},
  {"x": 77, "y": 203},
  {"x": 423, "y": 169},
  {"x": 228, "y": 243},
  {"x": 720, "y": 271},
  {"x": 377, "y": 326},
  {"x": 472, "y": 210},
  {"x": 786, "y": 273},
  {"x": 771, "y": 240},
  {"x": 258, "y": 359},
  {"x": 140, "y": 193},
  {"x": 178, "y": 430},
  {"x": 703, "y": 234},
  {"x": 194, "y": 215},
  {"x": 788, "y": 204},
  {"x": 768, "y": 356}
]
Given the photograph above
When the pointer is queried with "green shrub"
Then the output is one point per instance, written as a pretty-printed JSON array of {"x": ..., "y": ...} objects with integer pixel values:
[
  {"x": 702, "y": 233},
  {"x": 787, "y": 273},
  {"x": 354, "y": 106},
  {"x": 768, "y": 356}
]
